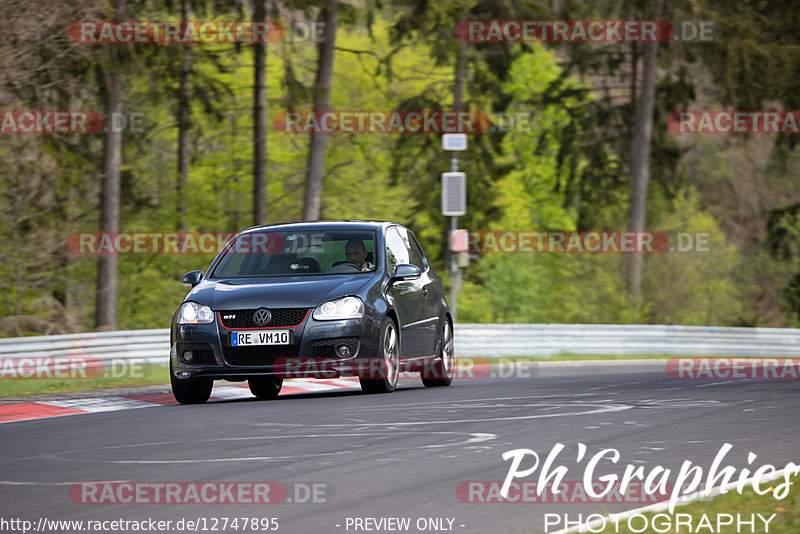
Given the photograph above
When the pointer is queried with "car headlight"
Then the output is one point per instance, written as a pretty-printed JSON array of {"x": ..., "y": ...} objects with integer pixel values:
[
  {"x": 194, "y": 313},
  {"x": 343, "y": 308}
]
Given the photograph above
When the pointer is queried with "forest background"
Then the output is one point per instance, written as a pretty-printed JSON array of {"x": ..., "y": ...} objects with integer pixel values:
[{"x": 208, "y": 158}]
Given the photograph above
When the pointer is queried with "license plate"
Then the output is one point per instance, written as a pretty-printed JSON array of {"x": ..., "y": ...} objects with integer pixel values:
[{"x": 267, "y": 337}]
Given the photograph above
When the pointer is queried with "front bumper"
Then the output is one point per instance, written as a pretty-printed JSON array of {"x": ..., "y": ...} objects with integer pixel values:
[{"x": 311, "y": 353}]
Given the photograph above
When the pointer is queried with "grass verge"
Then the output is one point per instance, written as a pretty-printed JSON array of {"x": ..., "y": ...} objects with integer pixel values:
[{"x": 20, "y": 387}]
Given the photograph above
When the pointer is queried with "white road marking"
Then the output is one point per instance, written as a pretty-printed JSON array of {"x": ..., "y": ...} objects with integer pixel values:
[
  {"x": 599, "y": 409},
  {"x": 101, "y": 404}
]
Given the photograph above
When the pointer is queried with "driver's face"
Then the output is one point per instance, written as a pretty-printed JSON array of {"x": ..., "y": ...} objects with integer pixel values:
[{"x": 355, "y": 254}]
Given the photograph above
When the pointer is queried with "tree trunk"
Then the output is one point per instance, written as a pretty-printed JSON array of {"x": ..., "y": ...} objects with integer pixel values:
[
  {"x": 322, "y": 99},
  {"x": 184, "y": 121},
  {"x": 260, "y": 123},
  {"x": 106, "y": 303},
  {"x": 634, "y": 81},
  {"x": 640, "y": 166},
  {"x": 460, "y": 77}
]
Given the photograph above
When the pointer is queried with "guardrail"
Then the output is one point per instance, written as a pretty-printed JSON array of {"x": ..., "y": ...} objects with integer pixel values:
[
  {"x": 496, "y": 340},
  {"x": 151, "y": 346},
  {"x": 489, "y": 340}
]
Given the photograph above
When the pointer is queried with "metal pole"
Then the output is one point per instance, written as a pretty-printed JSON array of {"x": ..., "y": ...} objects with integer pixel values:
[{"x": 453, "y": 264}]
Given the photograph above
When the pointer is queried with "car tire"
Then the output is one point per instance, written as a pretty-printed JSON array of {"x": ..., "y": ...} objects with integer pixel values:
[
  {"x": 265, "y": 387},
  {"x": 389, "y": 358},
  {"x": 444, "y": 366},
  {"x": 190, "y": 391}
]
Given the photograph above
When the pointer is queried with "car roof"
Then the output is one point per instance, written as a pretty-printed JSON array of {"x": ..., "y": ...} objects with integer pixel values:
[{"x": 326, "y": 225}]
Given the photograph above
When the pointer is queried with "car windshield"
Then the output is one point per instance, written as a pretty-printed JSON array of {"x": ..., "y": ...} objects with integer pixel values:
[{"x": 300, "y": 252}]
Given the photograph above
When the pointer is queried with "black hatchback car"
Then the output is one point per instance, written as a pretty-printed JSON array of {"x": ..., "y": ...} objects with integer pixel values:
[{"x": 321, "y": 300}]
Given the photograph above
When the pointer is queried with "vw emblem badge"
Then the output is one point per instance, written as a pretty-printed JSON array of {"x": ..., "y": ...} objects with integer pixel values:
[{"x": 262, "y": 316}]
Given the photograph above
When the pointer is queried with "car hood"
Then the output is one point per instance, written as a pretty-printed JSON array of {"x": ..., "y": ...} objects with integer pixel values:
[{"x": 276, "y": 292}]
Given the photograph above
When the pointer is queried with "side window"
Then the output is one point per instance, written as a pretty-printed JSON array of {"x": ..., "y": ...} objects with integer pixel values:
[
  {"x": 412, "y": 248},
  {"x": 415, "y": 252},
  {"x": 396, "y": 250}
]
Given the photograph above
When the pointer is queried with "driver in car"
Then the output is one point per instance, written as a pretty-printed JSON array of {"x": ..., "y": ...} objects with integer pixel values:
[{"x": 356, "y": 253}]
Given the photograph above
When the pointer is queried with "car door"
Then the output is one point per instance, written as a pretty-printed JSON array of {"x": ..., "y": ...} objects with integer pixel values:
[
  {"x": 431, "y": 291},
  {"x": 407, "y": 297}
]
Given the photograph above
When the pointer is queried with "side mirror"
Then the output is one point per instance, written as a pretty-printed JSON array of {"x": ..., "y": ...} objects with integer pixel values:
[
  {"x": 406, "y": 271},
  {"x": 192, "y": 279}
]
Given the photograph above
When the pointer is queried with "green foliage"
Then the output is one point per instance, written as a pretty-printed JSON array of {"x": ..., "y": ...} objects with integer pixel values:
[
  {"x": 697, "y": 286},
  {"x": 546, "y": 288},
  {"x": 541, "y": 287},
  {"x": 568, "y": 170}
]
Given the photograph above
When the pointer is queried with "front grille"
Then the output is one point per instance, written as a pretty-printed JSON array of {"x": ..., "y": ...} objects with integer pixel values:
[
  {"x": 257, "y": 356},
  {"x": 326, "y": 348},
  {"x": 281, "y": 317},
  {"x": 202, "y": 353}
]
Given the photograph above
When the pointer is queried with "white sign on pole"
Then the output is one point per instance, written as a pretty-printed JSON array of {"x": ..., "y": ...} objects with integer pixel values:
[
  {"x": 454, "y": 141},
  {"x": 454, "y": 193}
]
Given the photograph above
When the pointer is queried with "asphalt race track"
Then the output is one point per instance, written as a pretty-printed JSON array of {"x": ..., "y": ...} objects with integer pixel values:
[{"x": 399, "y": 455}]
